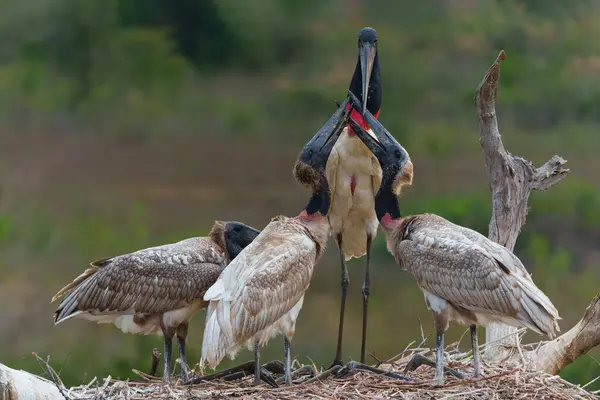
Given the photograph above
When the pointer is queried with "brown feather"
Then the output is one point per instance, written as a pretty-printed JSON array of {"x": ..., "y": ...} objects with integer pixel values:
[
  {"x": 86, "y": 274},
  {"x": 217, "y": 234}
]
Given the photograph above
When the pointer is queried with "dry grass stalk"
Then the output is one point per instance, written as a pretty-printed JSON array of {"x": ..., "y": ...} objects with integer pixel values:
[{"x": 500, "y": 382}]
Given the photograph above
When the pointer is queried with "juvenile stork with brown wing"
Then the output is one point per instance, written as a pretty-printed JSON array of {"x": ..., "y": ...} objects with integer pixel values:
[
  {"x": 155, "y": 290},
  {"x": 260, "y": 294},
  {"x": 464, "y": 276}
]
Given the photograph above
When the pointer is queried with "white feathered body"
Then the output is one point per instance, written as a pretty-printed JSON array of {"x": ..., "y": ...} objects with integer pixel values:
[
  {"x": 260, "y": 293},
  {"x": 353, "y": 214}
]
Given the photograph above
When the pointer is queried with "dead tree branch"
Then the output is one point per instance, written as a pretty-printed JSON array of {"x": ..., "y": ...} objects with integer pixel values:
[
  {"x": 21, "y": 385},
  {"x": 511, "y": 181}
]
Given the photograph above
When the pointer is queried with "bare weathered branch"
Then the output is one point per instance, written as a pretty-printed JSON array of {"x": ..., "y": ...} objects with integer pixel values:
[
  {"x": 511, "y": 181},
  {"x": 550, "y": 173},
  {"x": 554, "y": 355},
  {"x": 21, "y": 385}
]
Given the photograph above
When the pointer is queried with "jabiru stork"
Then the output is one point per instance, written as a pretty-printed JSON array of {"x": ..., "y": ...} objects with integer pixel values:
[{"x": 354, "y": 175}]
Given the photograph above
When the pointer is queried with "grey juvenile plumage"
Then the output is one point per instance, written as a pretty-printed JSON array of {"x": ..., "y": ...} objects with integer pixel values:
[
  {"x": 465, "y": 276},
  {"x": 154, "y": 290}
]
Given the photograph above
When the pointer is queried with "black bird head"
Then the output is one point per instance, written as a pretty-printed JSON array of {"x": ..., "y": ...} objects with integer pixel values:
[
  {"x": 396, "y": 167},
  {"x": 366, "y": 81},
  {"x": 237, "y": 236},
  {"x": 310, "y": 166}
]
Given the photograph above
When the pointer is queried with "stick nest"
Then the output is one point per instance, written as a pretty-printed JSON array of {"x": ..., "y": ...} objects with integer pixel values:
[{"x": 499, "y": 382}]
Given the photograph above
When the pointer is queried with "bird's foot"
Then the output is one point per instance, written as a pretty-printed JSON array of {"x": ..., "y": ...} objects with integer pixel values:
[
  {"x": 183, "y": 370},
  {"x": 334, "y": 369},
  {"x": 305, "y": 370},
  {"x": 418, "y": 359},
  {"x": 340, "y": 371},
  {"x": 353, "y": 367},
  {"x": 241, "y": 371}
]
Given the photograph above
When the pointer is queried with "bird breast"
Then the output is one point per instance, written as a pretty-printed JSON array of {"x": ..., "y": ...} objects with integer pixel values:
[{"x": 352, "y": 210}]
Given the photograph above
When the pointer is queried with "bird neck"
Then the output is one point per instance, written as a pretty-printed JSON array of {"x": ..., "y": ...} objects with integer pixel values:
[
  {"x": 388, "y": 223},
  {"x": 307, "y": 217},
  {"x": 386, "y": 203},
  {"x": 317, "y": 227}
]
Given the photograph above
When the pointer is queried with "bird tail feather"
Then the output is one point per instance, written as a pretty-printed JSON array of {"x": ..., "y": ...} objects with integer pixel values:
[
  {"x": 218, "y": 340},
  {"x": 537, "y": 311}
]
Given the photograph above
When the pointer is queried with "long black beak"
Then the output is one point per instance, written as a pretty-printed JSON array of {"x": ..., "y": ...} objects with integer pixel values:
[
  {"x": 386, "y": 148},
  {"x": 312, "y": 161},
  {"x": 316, "y": 152},
  {"x": 367, "y": 58}
]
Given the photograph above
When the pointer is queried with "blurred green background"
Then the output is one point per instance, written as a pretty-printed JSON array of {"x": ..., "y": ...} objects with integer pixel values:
[{"x": 130, "y": 123}]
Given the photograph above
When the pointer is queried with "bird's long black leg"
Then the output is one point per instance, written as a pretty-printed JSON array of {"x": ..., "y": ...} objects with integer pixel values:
[
  {"x": 365, "y": 294},
  {"x": 337, "y": 364},
  {"x": 345, "y": 282},
  {"x": 441, "y": 324},
  {"x": 168, "y": 334},
  {"x": 439, "y": 358},
  {"x": 256, "y": 363},
  {"x": 181, "y": 337},
  {"x": 167, "y": 369},
  {"x": 288, "y": 361},
  {"x": 476, "y": 357}
]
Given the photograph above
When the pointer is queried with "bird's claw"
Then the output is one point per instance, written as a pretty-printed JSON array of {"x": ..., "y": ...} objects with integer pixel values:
[
  {"x": 340, "y": 371},
  {"x": 241, "y": 371},
  {"x": 298, "y": 373},
  {"x": 266, "y": 377},
  {"x": 419, "y": 359},
  {"x": 354, "y": 366},
  {"x": 329, "y": 371}
]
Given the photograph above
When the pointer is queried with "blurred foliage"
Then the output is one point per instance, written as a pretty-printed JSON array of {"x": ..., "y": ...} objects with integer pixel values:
[{"x": 266, "y": 71}]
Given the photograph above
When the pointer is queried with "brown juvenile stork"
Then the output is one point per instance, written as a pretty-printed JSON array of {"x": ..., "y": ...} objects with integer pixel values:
[
  {"x": 354, "y": 176},
  {"x": 156, "y": 290},
  {"x": 464, "y": 276},
  {"x": 260, "y": 293}
]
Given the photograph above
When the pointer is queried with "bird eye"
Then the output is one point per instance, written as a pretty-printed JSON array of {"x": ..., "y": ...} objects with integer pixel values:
[{"x": 398, "y": 153}]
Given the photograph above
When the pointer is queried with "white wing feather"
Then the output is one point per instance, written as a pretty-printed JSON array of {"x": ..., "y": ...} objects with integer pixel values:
[{"x": 264, "y": 282}]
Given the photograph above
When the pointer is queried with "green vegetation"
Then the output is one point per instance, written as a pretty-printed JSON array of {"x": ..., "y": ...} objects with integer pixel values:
[{"x": 138, "y": 122}]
